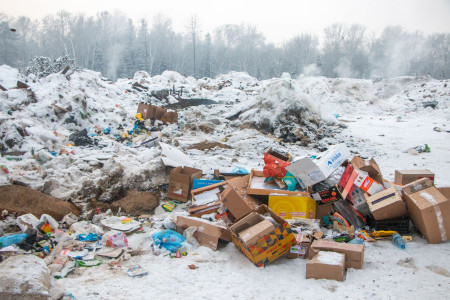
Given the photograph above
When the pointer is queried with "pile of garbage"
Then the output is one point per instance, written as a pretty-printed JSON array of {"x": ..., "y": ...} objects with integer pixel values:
[{"x": 323, "y": 208}]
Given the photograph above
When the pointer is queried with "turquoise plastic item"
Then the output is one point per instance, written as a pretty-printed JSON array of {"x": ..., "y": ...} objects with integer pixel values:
[
  {"x": 9, "y": 240},
  {"x": 290, "y": 181},
  {"x": 169, "y": 239}
]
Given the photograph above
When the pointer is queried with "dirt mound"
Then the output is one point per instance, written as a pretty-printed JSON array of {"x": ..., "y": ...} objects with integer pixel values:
[
  {"x": 137, "y": 203},
  {"x": 207, "y": 145},
  {"x": 23, "y": 200}
]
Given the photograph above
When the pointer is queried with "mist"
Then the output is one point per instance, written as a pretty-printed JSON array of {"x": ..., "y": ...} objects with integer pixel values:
[{"x": 117, "y": 47}]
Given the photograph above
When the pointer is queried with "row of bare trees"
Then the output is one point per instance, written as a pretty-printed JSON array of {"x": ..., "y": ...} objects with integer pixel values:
[{"x": 117, "y": 47}]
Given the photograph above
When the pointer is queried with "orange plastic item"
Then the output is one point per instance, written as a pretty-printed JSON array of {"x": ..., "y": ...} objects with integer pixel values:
[{"x": 46, "y": 228}]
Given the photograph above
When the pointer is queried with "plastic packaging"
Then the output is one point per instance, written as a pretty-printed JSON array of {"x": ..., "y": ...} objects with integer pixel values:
[
  {"x": 398, "y": 241},
  {"x": 116, "y": 240},
  {"x": 169, "y": 239},
  {"x": 9, "y": 240}
]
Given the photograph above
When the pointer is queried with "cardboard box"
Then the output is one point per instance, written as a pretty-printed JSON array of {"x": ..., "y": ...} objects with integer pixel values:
[
  {"x": 206, "y": 200},
  {"x": 236, "y": 199},
  {"x": 323, "y": 210},
  {"x": 354, "y": 254},
  {"x": 146, "y": 110},
  {"x": 207, "y": 234},
  {"x": 368, "y": 184},
  {"x": 387, "y": 204},
  {"x": 310, "y": 172},
  {"x": 159, "y": 112},
  {"x": 358, "y": 197},
  {"x": 408, "y": 176},
  {"x": 347, "y": 179},
  {"x": 428, "y": 209},
  {"x": 258, "y": 186},
  {"x": 293, "y": 207},
  {"x": 330, "y": 194},
  {"x": 326, "y": 265},
  {"x": 269, "y": 247},
  {"x": 180, "y": 183},
  {"x": 257, "y": 227},
  {"x": 370, "y": 167}
]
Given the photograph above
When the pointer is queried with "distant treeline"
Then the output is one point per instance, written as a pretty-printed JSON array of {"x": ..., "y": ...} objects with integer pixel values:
[{"x": 115, "y": 46}]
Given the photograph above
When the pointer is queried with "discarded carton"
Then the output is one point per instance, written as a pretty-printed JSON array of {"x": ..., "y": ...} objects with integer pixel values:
[
  {"x": 371, "y": 167},
  {"x": 323, "y": 210},
  {"x": 354, "y": 253},
  {"x": 408, "y": 176},
  {"x": 347, "y": 179},
  {"x": 250, "y": 235},
  {"x": 180, "y": 182},
  {"x": 326, "y": 265},
  {"x": 207, "y": 234},
  {"x": 258, "y": 186},
  {"x": 428, "y": 209},
  {"x": 342, "y": 228},
  {"x": 235, "y": 197},
  {"x": 269, "y": 247},
  {"x": 310, "y": 172},
  {"x": 328, "y": 195},
  {"x": 159, "y": 112},
  {"x": 387, "y": 204},
  {"x": 206, "y": 199},
  {"x": 293, "y": 207},
  {"x": 358, "y": 197},
  {"x": 146, "y": 110},
  {"x": 368, "y": 184}
]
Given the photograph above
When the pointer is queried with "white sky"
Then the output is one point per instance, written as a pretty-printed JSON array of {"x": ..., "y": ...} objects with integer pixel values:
[{"x": 278, "y": 20}]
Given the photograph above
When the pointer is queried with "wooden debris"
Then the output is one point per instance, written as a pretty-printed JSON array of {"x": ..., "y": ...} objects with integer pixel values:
[{"x": 22, "y": 85}]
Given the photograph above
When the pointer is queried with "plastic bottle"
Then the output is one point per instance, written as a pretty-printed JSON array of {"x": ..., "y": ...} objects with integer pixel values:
[
  {"x": 398, "y": 241},
  {"x": 9, "y": 240}
]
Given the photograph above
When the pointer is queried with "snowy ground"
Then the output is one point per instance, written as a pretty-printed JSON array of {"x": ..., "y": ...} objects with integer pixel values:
[{"x": 383, "y": 121}]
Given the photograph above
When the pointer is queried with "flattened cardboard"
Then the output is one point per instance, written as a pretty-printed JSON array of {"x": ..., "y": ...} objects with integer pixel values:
[
  {"x": 354, "y": 254},
  {"x": 293, "y": 207},
  {"x": 269, "y": 247},
  {"x": 322, "y": 269},
  {"x": 207, "y": 234},
  {"x": 257, "y": 186},
  {"x": 407, "y": 176},
  {"x": 236, "y": 199},
  {"x": 330, "y": 194},
  {"x": 301, "y": 249},
  {"x": 428, "y": 209},
  {"x": 347, "y": 179},
  {"x": 180, "y": 183},
  {"x": 199, "y": 210},
  {"x": 323, "y": 210},
  {"x": 253, "y": 233},
  {"x": 146, "y": 110},
  {"x": 387, "y": 204}
]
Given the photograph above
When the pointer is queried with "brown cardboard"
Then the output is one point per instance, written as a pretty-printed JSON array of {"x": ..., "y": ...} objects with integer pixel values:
[
  {"x": 180, "y": 182},
  {"x": 321, "y": 268},
  {"x": 407, "y": 176},
  {"x": 324, "y": 210},
  {"x": 387, "y": 204},
  {"x": 354, "y": 254},
  {"x": 445, "y": 191},
  {"x": 428, "y": 209},
  {"x": 199, "y": 210},
  {"x": 269, "y": 247},
  {"x": 146, "y": 110},
  {"x": 301, "y": 249},
  {"x": 257, "y": 186},
  {"x": 235, "y": 197},
  {"x": 159, "y": 112},
  {"x": 370, "y": 167},
  {"x": 207, "y": 234},
  {"x": 250, "y": 235}
]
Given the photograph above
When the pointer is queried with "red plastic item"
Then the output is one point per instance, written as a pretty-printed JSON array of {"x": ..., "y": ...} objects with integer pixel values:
[
  {"x": 4, "y": 169},
  {"x": 274, "y": 167}
]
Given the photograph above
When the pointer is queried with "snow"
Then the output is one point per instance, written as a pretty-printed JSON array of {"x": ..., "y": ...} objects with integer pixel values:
[
  {"x": 330, "y": 258},
  {"x": 374, "y": 119}
]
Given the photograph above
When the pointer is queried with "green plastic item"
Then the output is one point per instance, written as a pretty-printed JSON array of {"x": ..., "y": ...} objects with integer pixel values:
[
  {"x": 89, "y": 263},
  {"x": 290, "y": 181}
]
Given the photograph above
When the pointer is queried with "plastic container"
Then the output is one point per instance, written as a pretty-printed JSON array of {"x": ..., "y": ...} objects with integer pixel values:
[{"x": 398, "y": 241}]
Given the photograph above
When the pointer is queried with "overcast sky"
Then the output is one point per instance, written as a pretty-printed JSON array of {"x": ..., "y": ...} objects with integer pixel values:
[{"x": 278, "y": 20}]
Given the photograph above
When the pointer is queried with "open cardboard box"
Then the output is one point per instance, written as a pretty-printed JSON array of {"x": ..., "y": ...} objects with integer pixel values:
[
  {"x": 257, "y": 186},
  {"x": 180, "y": 183},
  {"x": 269, "y": 247},
  {"x": 326, "y": 265},
  {"x": 428, "y": 209},
  {"x": 236, "y": 199},
  {"x": 208, "y": 199},
  {"x": 293, "y": 206},
  {"x": 207, "y": 234}
]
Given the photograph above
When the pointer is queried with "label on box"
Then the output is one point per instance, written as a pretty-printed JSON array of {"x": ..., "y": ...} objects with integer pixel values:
[
  {"x": 316, "y": 176},
  {"x": 330, "y": 195},
  {"x": 367, "y": 184}
]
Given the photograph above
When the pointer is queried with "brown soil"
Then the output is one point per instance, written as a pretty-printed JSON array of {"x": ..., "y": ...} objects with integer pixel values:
[
  {"x": 207, "y": 145},
  {"x": 23, "y": 200},
  {"x": 135, "y": 203}
]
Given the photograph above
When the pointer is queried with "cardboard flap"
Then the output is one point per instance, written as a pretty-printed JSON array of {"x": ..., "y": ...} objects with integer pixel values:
[
  {"x": 370, "y": 167},
  {"x": 417, "y": 186},
  {"x": 206, "y": 231}
]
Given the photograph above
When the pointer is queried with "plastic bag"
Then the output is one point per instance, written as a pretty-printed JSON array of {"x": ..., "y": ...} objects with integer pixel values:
[
  {"x": 169, "y": 239},
  {"x": 274, "y": 167},
  {"x": 115, "y": 239}
]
